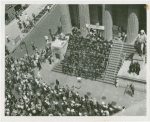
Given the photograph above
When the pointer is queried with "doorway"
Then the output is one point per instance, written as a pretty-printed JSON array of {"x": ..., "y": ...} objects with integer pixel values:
[
  {"x": 143, "y": 18},
  {"x": 74, "y": 15},
  {"x": 95, "y": 14}
]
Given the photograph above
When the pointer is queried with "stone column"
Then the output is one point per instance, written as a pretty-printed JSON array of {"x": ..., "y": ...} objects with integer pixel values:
[
  {"x": 65, "y": 18},
  {"x": 84, "y": 18},
  {"x": 133, "y": 22},
  {"x": 107, "y": 21}
]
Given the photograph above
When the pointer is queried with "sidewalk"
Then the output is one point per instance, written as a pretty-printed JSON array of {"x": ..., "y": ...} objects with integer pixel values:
[
  {"x": 103, "y": 92},
  {"x": 13, "y": 31}
]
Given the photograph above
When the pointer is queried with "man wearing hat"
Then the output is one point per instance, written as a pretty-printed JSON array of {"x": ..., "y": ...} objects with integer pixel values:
[{"x": 137, "y": 68}]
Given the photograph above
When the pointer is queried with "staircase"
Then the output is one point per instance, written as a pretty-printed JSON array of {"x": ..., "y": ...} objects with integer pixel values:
[
  {"x": 114, "y": 63},
  {"x": 129, "y": 50},
  {"x": 113, "y": 67}
]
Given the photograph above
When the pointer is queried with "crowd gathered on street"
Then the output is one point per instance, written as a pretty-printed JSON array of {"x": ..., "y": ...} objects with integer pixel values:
[
  {"x": 26, "y": 94},
  {"x": 36, "y": 98}
]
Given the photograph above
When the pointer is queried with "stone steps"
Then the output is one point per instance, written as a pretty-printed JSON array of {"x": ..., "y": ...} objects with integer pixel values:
[
  {"x": 114, "y": 63},
  {"x": 114, "y": 60},
  {"x": 129, "y": 50},
  {"x": 110, "y": 73}
]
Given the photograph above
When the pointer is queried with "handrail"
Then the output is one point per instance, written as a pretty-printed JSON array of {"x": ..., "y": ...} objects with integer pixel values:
[{"x": 118, "y": 59}]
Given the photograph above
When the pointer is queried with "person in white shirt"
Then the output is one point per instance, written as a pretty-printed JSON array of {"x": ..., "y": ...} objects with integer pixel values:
[
  {"x": 35, "y": 63},
  {"x": 26, "y": 17},
  {"x": 117, "y": 82},
  {"x": 94, "y": 101},
  {"x": 80, "y": 114},
  {"x": 47, "y": 40},
  {"x": 7, "y": 38},
  {"x": 107, "y": 113},
  {"x": 50, "y": 114}
]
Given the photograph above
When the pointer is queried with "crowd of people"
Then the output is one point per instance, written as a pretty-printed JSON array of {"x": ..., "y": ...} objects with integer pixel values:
[
  {"x": 121, "y": 35},
  {"x": 20, "y": 72},
  {"x": 18, "y": 8},
  {"x": 134, "y": 67},
  {"x": 27, "y": 95},
  {"x": 88, "y": 57},
  {"x": 39, "y": 99},
  {"x": 29, "y": 22}
]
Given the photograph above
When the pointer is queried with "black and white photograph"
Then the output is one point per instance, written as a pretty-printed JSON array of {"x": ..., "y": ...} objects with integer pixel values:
[{"x": 72, "y": 59}]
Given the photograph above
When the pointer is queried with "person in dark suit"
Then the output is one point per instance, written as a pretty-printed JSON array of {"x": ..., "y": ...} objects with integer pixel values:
[
  {"x": 59, "y": 29},
  {"x": 52, "y": 36},
  {"x": 132, "y": 89},
  {"x": 131, "y": 67},
  {"x": 6, "y": 50},
  {"x": 19, "y": 24},
  {"x": 134, "y": 67},
  {"x": 39, "y": 65},
  {"x": 57, "y": 82},
  {"x": 33, "y": 46},
  {"x": 24, "y": 24},
  {"x": 49, "y": 59},
  {"x": 137, "y": 68},
  {"x": 56, "y": 87},
  {"x": 34, "y": 17}
]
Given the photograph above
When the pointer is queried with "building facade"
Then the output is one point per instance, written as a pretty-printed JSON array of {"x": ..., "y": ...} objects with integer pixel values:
[{"x": 131, "y": 18}]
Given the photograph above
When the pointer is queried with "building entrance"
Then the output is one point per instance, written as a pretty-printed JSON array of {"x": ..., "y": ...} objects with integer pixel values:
[
  {"x": 74, "y": 15},
  {"x": 95, "y": 14}
]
